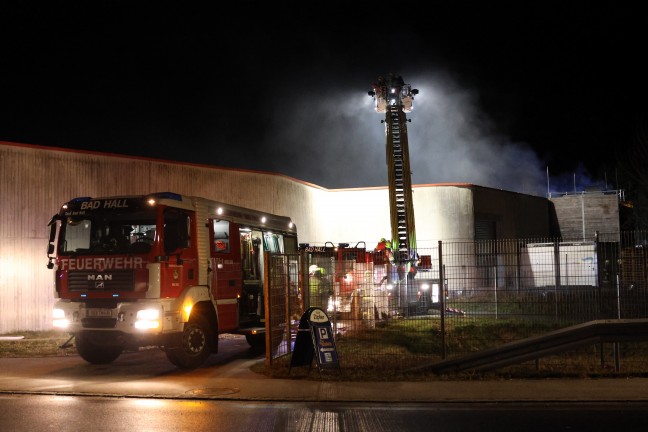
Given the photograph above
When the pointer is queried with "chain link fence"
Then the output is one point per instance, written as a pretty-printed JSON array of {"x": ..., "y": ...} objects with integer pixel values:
[{"x": 462, "y": 297}]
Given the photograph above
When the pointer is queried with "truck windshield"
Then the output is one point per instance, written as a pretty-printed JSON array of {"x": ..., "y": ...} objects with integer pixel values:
[{"x": 107, "y": 233}]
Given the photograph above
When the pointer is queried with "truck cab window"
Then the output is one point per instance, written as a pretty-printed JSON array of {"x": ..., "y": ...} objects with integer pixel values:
[
  {"x": 221, "y": 236},
  {"x": 77, "y": 235},
  {"x": 176, "y": 230}
]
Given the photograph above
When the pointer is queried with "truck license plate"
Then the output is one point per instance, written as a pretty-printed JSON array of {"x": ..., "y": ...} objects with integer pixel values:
[{"x": 99, "y": 312}]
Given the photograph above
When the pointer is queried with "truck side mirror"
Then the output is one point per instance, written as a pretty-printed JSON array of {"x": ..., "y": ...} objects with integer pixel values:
[{"x": 52, "y": 238}]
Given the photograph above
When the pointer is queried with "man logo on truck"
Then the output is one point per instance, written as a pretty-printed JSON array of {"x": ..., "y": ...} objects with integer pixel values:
[{"x": 99, "y": 277}]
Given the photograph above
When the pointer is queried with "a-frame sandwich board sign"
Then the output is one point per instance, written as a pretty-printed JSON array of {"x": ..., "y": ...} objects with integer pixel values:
[{"x": 315, "y": 339}]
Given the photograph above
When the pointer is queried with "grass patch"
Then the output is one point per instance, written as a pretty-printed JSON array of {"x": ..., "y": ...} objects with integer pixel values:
[
  {"x": 34, "y": 344},
  {"x": 400, "y": 349}
]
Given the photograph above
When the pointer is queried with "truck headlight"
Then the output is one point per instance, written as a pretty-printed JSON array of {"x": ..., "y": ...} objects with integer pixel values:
[
  {"x": 148, "y": 319},
  {"x": 59, "y": 319}
]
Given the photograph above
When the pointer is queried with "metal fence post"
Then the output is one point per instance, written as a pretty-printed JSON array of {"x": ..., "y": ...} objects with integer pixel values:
[
  {"x": 442, "y": 300},
  {"x": 495, "y": 286},
  {"x": 617, "y": 360},
  {"x": 288, "y": 311},
  {"x": 556, "y": 275}
]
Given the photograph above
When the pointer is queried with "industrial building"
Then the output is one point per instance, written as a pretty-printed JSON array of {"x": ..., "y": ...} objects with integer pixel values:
[{"x": 35, "y": 181}]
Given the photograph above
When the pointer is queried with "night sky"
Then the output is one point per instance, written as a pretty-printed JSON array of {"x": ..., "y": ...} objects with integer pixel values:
[{"x": 508, "y": 90}]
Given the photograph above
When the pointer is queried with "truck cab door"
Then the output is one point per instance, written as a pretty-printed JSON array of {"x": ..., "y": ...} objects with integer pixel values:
[
  {"x": 225, "y": 278},
  {"x": 181, "y": 267}
]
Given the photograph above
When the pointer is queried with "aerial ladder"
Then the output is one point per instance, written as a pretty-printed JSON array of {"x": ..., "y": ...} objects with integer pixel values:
[{"x": 394, "y": 98}]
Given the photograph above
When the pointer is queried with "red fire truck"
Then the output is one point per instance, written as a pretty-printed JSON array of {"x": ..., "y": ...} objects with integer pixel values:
[{"x": 161, "y": 270}]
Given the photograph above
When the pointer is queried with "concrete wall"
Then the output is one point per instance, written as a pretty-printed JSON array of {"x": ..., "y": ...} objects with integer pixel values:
[
  {"x": 443, "y": 212},
  {"x": 35, "y": 181},
  {"x": 354, "y": 215}
]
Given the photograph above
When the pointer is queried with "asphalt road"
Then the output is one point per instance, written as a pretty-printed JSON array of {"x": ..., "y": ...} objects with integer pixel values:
[{"x": 29, "y": 413}]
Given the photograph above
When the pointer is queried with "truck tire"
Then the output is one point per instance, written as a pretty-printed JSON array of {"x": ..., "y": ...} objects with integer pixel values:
[
  {"x": 94, "y": 352},
  {"x": 195, "y": 344},
  {"x": 256, "y": 341}
]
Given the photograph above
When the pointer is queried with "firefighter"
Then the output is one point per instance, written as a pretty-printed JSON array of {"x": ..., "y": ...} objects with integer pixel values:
[
  {"x": 413, "y": 266},
  {"x": 320, "y": 288},
  {"x": 382, "y": 245}
]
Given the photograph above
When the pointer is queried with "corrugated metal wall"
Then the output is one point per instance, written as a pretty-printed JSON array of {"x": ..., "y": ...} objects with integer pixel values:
[
  {"x": 35, "y": 181},
  {"x": 581, "y": 215}
]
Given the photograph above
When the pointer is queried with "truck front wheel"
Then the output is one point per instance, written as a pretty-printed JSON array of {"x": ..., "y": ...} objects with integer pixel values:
[
  {"x": 93, "y": 351},
  {"x": 195, "y": 344}
]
